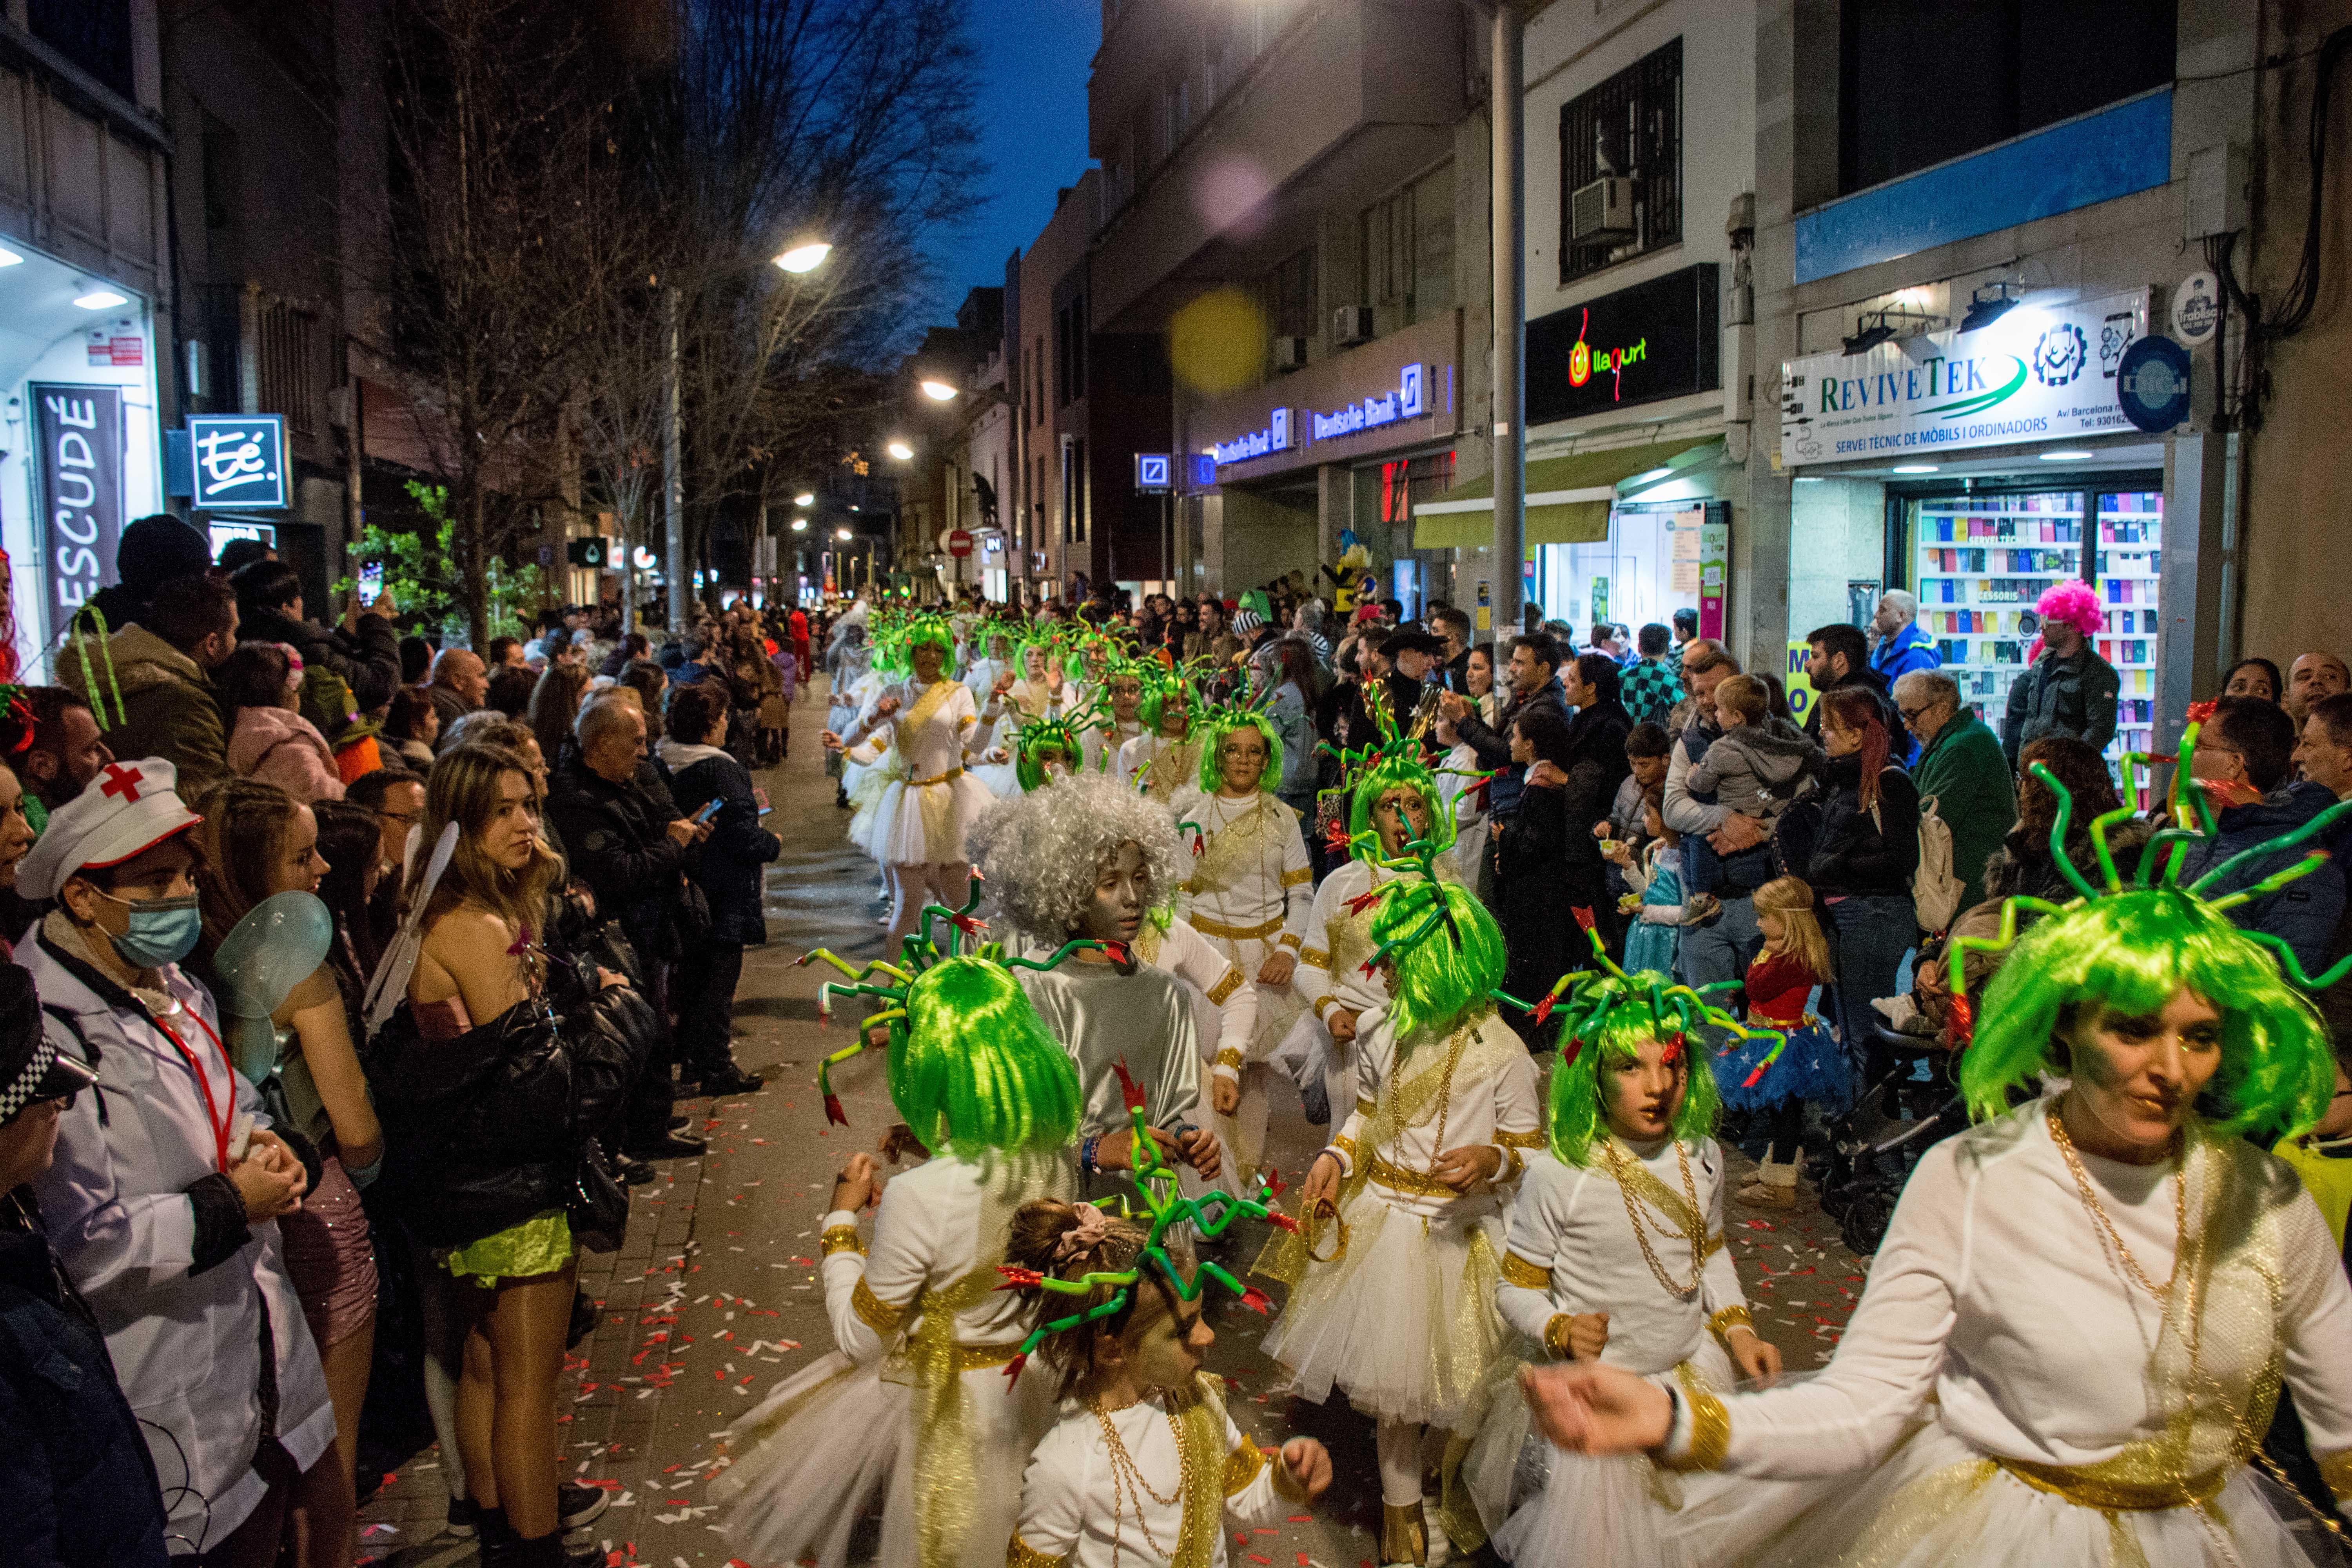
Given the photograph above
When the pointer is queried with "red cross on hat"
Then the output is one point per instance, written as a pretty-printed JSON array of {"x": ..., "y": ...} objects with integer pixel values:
[
  {"x": 121, "y": 781},
  {"x": 130, "y": 808}
]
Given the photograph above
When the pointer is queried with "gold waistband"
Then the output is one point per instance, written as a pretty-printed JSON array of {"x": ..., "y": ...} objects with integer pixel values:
[
  {"x": 1235, "y": 933},
  {"x": 947, "y": 777},
  {"x": 1397, "y": 1179},
  {"x": 974, "y": 1358},
  {"x": 2083, "y": 1486}
]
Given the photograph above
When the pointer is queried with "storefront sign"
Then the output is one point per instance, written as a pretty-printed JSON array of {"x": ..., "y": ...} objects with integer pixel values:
[
  {"x": 239, "y": 458},
  {"x": 1653, "y": 340},
  {"x": 1273, "y": 438},
  {"x": 1409, "y": 400},
  {"x": 1154, "y": 473},
  {"x": 80, "y": 434},
  {"x": 2037, "y": 374}
]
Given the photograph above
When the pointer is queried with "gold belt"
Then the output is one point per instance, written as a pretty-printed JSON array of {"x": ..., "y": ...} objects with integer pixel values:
[
  {"x": 2085, "y": 1488},
  {"x": 947, "y": 777},
  {"x": 975, "y": 1358},
  {"x": 1236, "y": 933},
  {"x": 1397, "y": 1179}
]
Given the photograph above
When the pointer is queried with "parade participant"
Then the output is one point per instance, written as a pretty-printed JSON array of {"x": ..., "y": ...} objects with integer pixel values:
[
  {"x": 921, "y": 818},
  {"x": 164, "y": 1187},
  {"x": 2083, "y": 1309},
  {"x": 1615, "y": 1254},
  {"x": 1145, "y": 1466},
  {"x": 1249, "y": 893},
  {"x": 1395, "y": 802},
  {"x": 1082, "y": 861},
  {"x": 1167, "y": 756},
  {"x": 1100, "y": 862},
  {"x": 1121, "y": 723},
  {"x": 912, "y": 1407},
  {"x": 1812, "y": 1067},
  {"x": 1039, "y": 690},
  {"x": 1398, "y": 1312},
  {"x": 849, "y": 665}
]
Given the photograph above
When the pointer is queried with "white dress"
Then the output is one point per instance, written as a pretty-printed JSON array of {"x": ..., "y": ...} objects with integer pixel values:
[
  {"x": 1468, "y": 798},
  {"x": 1331, "y": 974},
  {"x": 850, "y": 1429},
  {"x": 2002, "y": 1363},
  {"x": 1404, "y": 1318},
  {"x": 1225, "y": 1003},
  {"x": 927, "y": 801},
  {"x": 1161, "y": 767},
  {"x": 1572, "y": 1250},
  {"x": 1101, "y": 749},
  {"x": 1074, "y": 1511}
]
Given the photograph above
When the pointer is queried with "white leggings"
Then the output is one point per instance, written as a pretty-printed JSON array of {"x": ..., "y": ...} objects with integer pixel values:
[
  {"x": 912, "y": 887},
  {"x": 1397, "y": 1445}
]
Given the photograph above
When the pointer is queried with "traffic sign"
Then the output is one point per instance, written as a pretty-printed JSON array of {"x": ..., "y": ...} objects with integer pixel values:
[{"x": 960, "y": 543}]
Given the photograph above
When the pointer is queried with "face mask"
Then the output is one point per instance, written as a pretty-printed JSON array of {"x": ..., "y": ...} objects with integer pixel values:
[{"x": 161, "y": 930}]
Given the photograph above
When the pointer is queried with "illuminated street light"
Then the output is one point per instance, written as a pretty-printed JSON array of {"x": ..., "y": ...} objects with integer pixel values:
[
  {"x": 805, "y": 257},
  {"x": 939, "y": 391},
  {"x": 843, "y": 535},
  {"x": 800, "y": 525},
  {"x": 900, "y": 450},
  {"x": 805, "y": 498}
]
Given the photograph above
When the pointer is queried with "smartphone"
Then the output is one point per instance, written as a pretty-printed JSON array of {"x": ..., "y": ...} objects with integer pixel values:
[
  {"x": 371, "y": 581},
  {"x": 709, "y": 811}
]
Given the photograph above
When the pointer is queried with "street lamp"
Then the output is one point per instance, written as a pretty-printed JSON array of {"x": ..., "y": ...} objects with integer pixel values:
[
  {"x": 806, "y": 256},
  {"x": 900, "y": 450},
  {"x": 807, "y": 498},
  {"x": 800, "y": 525},
  {"x": 843, "y": 535},
  {"x": 939, "y": 390}
]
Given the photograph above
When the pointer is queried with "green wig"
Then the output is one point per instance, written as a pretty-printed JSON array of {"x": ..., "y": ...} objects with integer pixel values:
[
  {"x": 1617, "y": 1013},
  {"x": 1225, "y": 722},
  {"x": 2134, "y": 944},
  {"x": 1400, "y": 770},
  {"x": 976, "y": 1069},
  {"x": 1157, "y": 690},
  {"x": 1063, "y": 732},
  {"x": 939, "y": 633},
  {"x": 1446, "y": 951}
]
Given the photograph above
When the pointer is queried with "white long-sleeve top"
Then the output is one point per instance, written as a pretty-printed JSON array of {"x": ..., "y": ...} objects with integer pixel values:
[
  {"x": 1271, "y": 885},
  {"x": 926, "y": 1237},
  {"x": 1996, "y": 1293},
  {"x": 931, "y": 749},
  {"x": 1101, "y": 749},
  {"x": 1072, "y": 1509},
  {"x": 1161, "y": 767},
  {"x": 1498, "y": 1106},
  {"x": 1330, "y": 972},
  {"x": 1194, "y": 959},
  {"x": 1569, "y": 1222}
]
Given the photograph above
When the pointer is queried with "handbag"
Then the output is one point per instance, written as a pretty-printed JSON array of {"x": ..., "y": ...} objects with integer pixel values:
[{"x": 598, "y": 1209}]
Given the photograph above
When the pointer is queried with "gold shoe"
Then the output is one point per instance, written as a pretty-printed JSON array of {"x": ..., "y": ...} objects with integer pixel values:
[{"x": 1405, "y": 1535}]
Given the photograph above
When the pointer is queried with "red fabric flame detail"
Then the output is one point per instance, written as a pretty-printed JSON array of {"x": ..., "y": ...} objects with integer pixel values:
[
  {"x": 1130, "y": 1090},
  {"x": 833, "y": 1110}
]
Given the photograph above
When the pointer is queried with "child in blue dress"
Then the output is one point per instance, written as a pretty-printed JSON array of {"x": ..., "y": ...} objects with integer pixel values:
[
  {"x": 1653, "y": 940},
  {"x": 1812, "y": 1066}
]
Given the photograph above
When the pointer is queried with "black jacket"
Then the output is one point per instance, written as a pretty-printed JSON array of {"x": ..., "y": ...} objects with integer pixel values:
[
  {"x": 726, "y": 864},
  {"x": 614, "y": 835},
  {"x": 1860, "y": 853},
  {"x": 78, "y": 1488},
  {"x": 368, "y": 659},
  {"x": 1493, "y": 745},
  {"x": 486, "y": 1130},
  {"x": 1869, "y": 680}
]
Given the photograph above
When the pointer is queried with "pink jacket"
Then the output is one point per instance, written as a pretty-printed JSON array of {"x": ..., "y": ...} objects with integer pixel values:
[{"x": 279, "y": 746}]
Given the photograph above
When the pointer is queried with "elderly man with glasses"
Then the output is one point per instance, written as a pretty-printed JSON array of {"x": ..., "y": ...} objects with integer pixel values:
[{"x": 1962, "y": 766}]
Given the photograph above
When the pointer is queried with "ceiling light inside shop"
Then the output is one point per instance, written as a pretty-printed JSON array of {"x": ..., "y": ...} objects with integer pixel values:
[
  {"x": 2064, "y": 457},
  {"x": 101, "y": 299},
  {"x": 1914, "y": 468},
  {"x": 9, "y": 257},
  {"x": 1653, "y": 474}
]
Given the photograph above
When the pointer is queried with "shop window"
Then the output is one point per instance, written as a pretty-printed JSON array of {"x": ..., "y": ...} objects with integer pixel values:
[
  {"x": 93, "y": 34},
  {"x": 2013, "y": 66},
  {"x": 1620, "y": 161},
  {"x": 1290, "y": 296}
]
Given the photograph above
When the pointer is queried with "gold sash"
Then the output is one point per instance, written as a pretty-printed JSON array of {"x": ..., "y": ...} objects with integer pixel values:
[
  {"x": 946, "y": 1481},
  {"x": 1238, "y": 849},
  {"x": 1200, "y": 1422}
]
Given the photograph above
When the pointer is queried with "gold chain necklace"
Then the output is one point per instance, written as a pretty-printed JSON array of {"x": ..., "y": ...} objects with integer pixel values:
[
  {"x": 1634, "y": 1213},
  {"x": 1454, "y": 1050},
  {"x": 1127, "y": 1483},
  {"x": 2066, "y": 1142}
]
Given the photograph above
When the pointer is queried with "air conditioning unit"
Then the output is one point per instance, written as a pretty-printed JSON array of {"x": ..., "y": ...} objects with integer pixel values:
[
  {"x": 1601, "y": 211},
  {"x": 1352, "y": 324},
  {"x": 1289, "y": 354}
]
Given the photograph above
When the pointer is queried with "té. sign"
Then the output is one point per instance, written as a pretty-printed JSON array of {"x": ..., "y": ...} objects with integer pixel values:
[{"x": 238, "y": 461}]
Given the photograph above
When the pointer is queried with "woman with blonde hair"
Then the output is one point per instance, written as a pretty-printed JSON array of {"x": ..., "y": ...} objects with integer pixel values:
[{"x": 492, "y": 1104}]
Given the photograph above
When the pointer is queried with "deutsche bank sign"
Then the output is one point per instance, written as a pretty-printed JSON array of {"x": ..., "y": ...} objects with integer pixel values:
[
  {"x": 1409, "y": 400},
  {"x": 1275, "y": 437}
]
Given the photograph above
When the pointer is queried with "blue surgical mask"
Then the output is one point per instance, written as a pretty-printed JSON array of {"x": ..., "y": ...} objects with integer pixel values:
[{"x": 161, "y": 930}]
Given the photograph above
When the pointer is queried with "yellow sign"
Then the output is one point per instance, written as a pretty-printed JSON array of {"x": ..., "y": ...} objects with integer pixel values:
[{"x": 1799, "y": 684}]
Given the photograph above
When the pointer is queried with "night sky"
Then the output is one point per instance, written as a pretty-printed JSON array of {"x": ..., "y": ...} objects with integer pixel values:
[{"x": 1033, "y": 59}]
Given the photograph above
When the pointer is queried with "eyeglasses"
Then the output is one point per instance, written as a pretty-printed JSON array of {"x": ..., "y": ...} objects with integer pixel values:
[{"x": 1911, "y": 715}]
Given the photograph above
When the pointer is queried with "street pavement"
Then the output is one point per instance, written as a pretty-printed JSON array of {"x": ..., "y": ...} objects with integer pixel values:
[{"x": 715, "y": 1296}]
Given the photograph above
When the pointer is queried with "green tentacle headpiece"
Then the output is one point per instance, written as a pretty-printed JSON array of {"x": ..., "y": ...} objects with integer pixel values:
[
  {"x": 1063, "y": 732},
  {"x": 1393, "y": 761},
  {"x": 2133, "y": 940}
]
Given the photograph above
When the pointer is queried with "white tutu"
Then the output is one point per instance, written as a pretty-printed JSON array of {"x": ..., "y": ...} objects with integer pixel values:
[
  {"x": 998, "y": 778},
  {"x": 864, "y": 783},
  {"x": 847, "y": 1445},
  {"x": 1967, "y": 1512},
  {"x": 924, "y": 824},
  {"x": 1405, "y": 1322}
]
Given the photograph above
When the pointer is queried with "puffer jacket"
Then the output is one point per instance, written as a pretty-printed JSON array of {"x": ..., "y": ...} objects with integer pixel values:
[
  {"x": 1861, "y": 852},
  {"x": 279, "y": 746},
  {"x": 2304, "y": 913},
  {"x": 484, "y": 1131},
  {"x": 2072, "y": 697},
  {"x": 168, "y": 709}
]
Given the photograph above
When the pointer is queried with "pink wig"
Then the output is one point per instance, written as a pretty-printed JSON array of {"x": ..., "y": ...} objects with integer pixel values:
[{"x": 2075, "y": 605}]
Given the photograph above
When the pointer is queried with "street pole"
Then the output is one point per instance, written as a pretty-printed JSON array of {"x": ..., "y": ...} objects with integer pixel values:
[
  {"x": 1510, "y": 312},
  {"x": 673, "y": 479}
]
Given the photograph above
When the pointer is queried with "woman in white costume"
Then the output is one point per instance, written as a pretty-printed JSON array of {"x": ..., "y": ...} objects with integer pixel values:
[
  {"x": 912, "y": 1408},
  {"x": 1249, "y": 893},
  {"x": 1144, "y": 1467},
  {"x": 1166, "y": 757},
  {"x": 1398, "y": 1310},
  {"x": 1460, "y": 776},
  {"x": 929, "y": 802},
  {"x": 1616, "y": 1255},
  {"x": 2075, "y": 1331},
  {"x": 1122, "y": 722}
]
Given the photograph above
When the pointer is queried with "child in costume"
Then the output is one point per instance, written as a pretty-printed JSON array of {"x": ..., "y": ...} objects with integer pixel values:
[
  {"x": 1121, "y": 723},
  {"x": 1145, "y": 1466},
  {"x": 2086, "y": 1304},
  {"x": 1812, "y": 1065},
  {"x": 1657, "y": 903},
  {"x": 1166, "y": 756},
  {"x": 1397, "y": 1309},
  {"x": 912, "y": 1410},
  {"x": 1249, "y": 893},
  {"x": 1615, "y": 1255},
  {"x": 1086, "y": 860}
]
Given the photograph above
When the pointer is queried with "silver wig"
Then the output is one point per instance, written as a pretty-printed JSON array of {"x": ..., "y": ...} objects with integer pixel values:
[{"x": 1041, "y": 853}]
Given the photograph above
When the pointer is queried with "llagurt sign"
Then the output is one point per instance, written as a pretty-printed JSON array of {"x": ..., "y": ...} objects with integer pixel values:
[{"x": 2038, "y": 373}]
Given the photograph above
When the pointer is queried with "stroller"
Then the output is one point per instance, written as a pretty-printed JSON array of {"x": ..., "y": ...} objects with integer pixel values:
[{"x": 1870, "y": 1157}]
